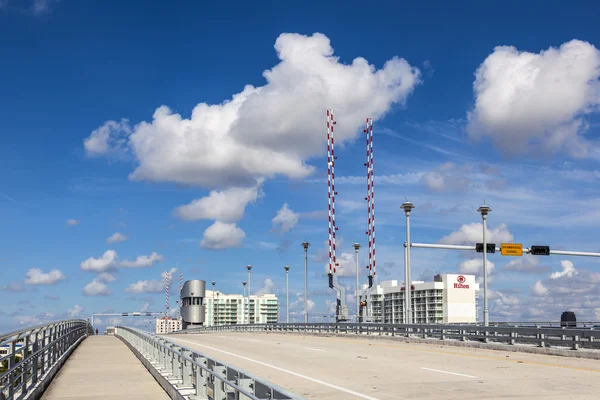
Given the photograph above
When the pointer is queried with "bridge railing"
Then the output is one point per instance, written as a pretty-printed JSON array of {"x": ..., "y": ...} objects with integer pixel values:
[
  {"x": 203, "y": 375},
  {"x": 541, "y": 336},
  {"x": 35, "y": 354}
]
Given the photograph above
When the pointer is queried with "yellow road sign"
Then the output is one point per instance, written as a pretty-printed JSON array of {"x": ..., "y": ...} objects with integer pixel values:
[{"x": 511, "y": 249}]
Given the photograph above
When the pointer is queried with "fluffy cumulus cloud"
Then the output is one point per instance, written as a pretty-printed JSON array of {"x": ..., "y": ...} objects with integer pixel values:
[
  {"x": 474, "y": 266},
  {"x": 98, "y": 286},
  {"x": 36, "y": 276},
  {"x": 537, "y": 101},
  {"x": 286, "y": 219},
  {"x": 569, "y": 289},
  {"x": 268, "y": 287},
  {"x": 116, "y": 237},
  {"x": 470, "y": 234},
  {"x": 262, "y": 131},
  {"x": 152, "y": 286},
  {"x": 109, "y": 261},
  {"x": 222, "y": 205},
  {"x": 221, "y": 235},
  {"x": 347, "y": 265}
]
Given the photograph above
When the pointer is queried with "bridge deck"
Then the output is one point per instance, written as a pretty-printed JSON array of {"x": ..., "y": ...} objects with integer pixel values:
[
  {"x": 371, "y": 369},
  {"x": 102, "y": 367}
]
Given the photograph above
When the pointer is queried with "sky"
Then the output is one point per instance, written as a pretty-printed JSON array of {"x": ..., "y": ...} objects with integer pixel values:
[{"x": 144, "y": 137}]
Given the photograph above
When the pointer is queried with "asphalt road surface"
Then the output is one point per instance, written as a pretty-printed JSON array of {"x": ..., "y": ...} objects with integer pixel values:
[{"x": 357, "y": 368}]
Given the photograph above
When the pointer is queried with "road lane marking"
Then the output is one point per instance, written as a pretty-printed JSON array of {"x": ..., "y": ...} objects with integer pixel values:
[
  {"x": 448, "y": 372},
  {"x": 310, "y": 348},
  {"x": 254, "y": 340},
  {"x": 330, "y": 385}
]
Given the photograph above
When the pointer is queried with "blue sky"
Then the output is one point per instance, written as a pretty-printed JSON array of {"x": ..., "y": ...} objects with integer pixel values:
[{"x": 457, "y": 120}]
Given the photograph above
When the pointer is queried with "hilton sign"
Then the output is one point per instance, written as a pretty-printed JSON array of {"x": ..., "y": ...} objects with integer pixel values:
[{"x": 461, "y": 283}]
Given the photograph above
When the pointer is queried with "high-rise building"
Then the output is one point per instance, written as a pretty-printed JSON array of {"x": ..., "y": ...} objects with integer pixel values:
[
  {"x": 167, "y": 325},
  {"x": 450, "y": 298},
  {"x": 228, "y": 309}
]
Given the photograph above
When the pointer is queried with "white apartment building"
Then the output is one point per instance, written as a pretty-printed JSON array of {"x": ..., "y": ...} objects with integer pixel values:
[
  {"x": 167, "y": 325},
  {"x": 450, "y": 298},
  {"x": 227, "y": 309}
]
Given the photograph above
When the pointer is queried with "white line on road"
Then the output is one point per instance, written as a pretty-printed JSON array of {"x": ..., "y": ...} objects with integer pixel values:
[
  {"x": 254, "y": 340},
  {"x": 310, "y": 348},
  {"x": 448, "y": 372},
  {"x": 352, "y": 392}
]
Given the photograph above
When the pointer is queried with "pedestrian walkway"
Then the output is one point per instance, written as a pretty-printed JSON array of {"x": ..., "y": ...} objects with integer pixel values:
[{"x": 103, "y": 367}]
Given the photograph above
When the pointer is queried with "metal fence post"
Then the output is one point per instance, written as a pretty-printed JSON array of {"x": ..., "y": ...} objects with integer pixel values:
[
  {"x": 248, "y": 385},
  {"x": 201, "y": 379},
  {"x": 176, "y": 365},
  {"x": 219, "y": 389},
  {"x": 187, "y": 369}
]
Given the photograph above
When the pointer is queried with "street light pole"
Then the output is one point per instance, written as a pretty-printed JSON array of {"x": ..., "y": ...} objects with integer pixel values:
[
  {"x": 407, "y": 206},
  {"x": 244, "y": 302},
  {"x": 484, "y": 210},
  {"x": 287, "y": 295},
  {"x": 305, "y": 245},
  {"x": 249, "y": 267},
  {"x": 214, "y": 316},
  {"x": 356, "y": 247}
]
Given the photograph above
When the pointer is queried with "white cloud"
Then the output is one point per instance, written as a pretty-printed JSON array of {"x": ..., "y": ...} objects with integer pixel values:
[
  {"x": 98, "y": 287},
  {"x": 268, "y": 287},
  {"x": 474, "y": 266},
  {"x": 222, "y": 236},
  {"x": 470, "y": 234},
  {"x": 226, "y": 205},
  {"x": 527, "y": 263},
  {"x": 73, "y": 222},
  {"x": 539, "y": 289},
  {"x": 109, "y": 261},
  {"x": 347, "y": 264},
  {"x": 286, "y": 219},
  {"x": 537, "y": 101},
  {"x": 142, "y": 261},
  {"x": 106, "y": 262},
  {"x": 35, "y": 276},
  {"x": 568, "y": 270},
  {"x": 153, "y": 286},
  {"x": 146, "y": 286},
  {"x": 110, "y": 137},
  {"x": 263, "y": 131},
  {"x": 447, "y": 177},
  {"x": 75, "y": 312},
  {"x": 13, "y": 287},
  {"x": 116, "y": 237}
]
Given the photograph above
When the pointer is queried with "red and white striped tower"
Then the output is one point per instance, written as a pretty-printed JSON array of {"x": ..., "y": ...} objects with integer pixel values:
[
  {"x": 167, "y": 281},
  {"x": 331, "y": 192},
  {"x": 180, "y": 284},
  {"x": 370, "y": 201}
]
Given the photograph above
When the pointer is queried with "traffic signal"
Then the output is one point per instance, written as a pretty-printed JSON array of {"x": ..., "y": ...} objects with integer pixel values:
[
  {"x": 491, "y": 247},
  {"x": 540, "y": 250}
]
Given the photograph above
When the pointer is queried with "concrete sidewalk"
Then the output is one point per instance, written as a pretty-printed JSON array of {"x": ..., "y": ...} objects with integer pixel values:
[{"x": 102, "y": 367}]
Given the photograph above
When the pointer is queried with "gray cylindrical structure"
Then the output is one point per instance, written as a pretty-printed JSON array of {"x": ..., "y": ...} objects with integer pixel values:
[{"x": 193, "y": 303}]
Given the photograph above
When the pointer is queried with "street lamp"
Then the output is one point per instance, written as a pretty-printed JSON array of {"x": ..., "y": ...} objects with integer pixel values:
[
  {"x": 356, "y": 247},
  {"x": 305, "y": 245},
  {"x": 249, "y": 267},
  {"x": 214, "y": 316},
  {"x": 287, "y": 295},
  {"x": 407, "y": 206},
  {"x": 484, "y": 210},
  {"x": 243, "y": 302}
]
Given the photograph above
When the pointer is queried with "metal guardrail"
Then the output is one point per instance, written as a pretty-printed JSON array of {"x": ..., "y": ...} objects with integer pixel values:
[
  {"x": 573, "y": 338},
  {"x": 206, "y": 377},
  {"x": 34, "y": 352}
]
